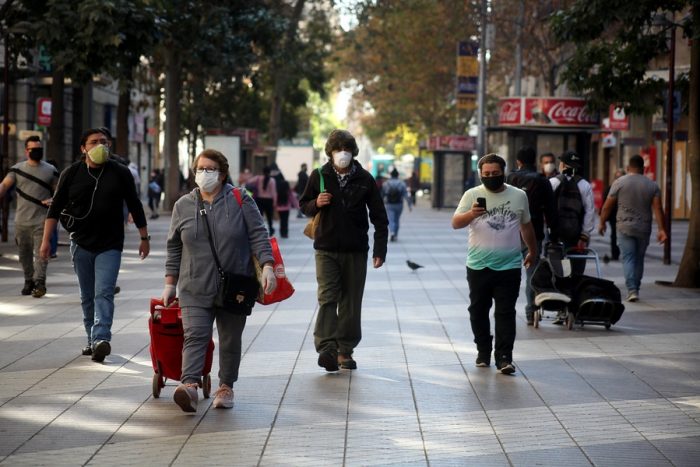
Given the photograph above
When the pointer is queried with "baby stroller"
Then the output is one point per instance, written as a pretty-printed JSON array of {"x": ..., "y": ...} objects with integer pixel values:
[{"x": 545, "y": 282}]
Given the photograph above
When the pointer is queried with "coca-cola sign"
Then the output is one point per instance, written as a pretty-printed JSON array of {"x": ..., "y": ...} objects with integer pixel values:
[
  {"x": 547, "y": 111},
  {"x": 451, "y": 142},
  {"x": 510, "y": 112}
]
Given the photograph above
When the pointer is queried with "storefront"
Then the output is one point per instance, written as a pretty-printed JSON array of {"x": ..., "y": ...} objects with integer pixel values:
[
  {"x": 548, "y": 124},
  {"x": 453, "y": 168}
]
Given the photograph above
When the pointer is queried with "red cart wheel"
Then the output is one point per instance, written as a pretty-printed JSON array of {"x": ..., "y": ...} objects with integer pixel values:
[{"x": 156, "y": 385}]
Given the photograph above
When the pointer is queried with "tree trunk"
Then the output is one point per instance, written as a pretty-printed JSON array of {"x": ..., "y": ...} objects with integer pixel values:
[
  {"x": 123, "y": 106},
  {"x": 689, "y": 269},
  {"x": 56, "y": 149},
  {"x": 173, "y": 90},
  {"x": 282, "y": 66}
]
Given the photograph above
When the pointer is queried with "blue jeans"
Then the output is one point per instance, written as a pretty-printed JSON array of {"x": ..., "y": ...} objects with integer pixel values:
[
  {"x": 393, "y": 212},
  {"x": 54, "y": 241},
  {"x": 97, "y": 276},
  {"x": 632, "y": 250}
]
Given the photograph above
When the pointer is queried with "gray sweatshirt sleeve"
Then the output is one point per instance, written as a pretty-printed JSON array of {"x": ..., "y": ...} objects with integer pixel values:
[{"x": 174, "y": 244}]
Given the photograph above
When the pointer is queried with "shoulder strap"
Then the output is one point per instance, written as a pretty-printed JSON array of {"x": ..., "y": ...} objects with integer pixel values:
[
  {"x": 203, "y": 213},
  {"x": 30, "y": 198},
  {"x": 322, "y": 182},
  {"x": 237, "y": 195},
  {"x": 31, "y": 177}
]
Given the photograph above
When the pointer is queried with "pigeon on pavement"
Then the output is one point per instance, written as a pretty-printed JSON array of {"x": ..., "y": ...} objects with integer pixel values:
[{"x": 413, "y": 265}]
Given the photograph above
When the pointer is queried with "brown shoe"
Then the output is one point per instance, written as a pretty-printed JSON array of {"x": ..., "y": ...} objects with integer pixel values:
[{"x": 346, "y": 362}]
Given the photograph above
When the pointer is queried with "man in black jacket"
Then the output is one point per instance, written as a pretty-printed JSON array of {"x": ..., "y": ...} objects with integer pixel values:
[
  {"x": 302, "y": 180},
  {"x": 542, "y": 208},
  {"x": 341, "y": 245},
  {"x": 89, "y": 200}
]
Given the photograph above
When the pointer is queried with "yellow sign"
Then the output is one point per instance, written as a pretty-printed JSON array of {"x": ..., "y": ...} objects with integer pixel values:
[
  {"x": 467, "y": 66},
  {"x": 466, "y": 103}
]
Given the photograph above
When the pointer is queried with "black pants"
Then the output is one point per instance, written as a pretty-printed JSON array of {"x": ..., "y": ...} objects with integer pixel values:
[
  {"x": 502, "y": 287},
  {"x": 284, "y": 223},
  {"x": 267, "y": 209}
]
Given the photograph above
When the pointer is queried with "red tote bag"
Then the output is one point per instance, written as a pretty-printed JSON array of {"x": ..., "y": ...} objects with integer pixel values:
[{"x": 284, "y": 288}]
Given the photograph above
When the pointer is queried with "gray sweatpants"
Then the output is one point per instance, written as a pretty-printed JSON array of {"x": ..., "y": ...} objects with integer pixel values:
[
  {"x": 28, "y": 239},
  {"x": 198, "y": 325}
]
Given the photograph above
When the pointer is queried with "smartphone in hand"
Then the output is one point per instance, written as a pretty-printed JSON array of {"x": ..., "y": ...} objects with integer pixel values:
[{"x": 481, "y": 202}]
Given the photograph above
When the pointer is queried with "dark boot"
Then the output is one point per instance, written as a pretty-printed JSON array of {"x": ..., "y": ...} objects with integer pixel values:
[{"x": 28, "y": 287}]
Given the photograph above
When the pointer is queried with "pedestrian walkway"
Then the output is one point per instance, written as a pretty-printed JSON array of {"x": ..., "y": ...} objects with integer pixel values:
[{"x": 627, "y": 396}]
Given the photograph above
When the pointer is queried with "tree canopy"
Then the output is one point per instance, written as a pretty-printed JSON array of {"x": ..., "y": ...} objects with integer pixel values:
[
  {"x": 614, "y": 43},
  {"x": 402, "y": 56}
]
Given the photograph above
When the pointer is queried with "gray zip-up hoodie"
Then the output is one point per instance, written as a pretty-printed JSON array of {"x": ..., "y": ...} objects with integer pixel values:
[{"x": 236, "y": 231}]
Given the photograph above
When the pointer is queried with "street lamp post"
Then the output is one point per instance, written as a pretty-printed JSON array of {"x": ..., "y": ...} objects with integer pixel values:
[{"x": 668, "y": 192}]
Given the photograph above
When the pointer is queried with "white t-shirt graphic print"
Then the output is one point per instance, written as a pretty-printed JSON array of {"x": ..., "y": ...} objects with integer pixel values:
[{"x": 494, "y": 238}]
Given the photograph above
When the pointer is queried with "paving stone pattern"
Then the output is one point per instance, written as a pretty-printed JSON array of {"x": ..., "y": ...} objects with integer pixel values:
[{"x": 625, "y": 396}]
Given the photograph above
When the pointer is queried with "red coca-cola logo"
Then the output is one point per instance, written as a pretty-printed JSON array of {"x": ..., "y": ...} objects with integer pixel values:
[
  {"x": 563, "y": 112},
  {"x": 509, "y": 112}
]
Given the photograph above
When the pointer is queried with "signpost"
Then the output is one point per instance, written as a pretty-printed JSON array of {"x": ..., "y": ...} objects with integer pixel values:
[{"x": 467, "y": 74}]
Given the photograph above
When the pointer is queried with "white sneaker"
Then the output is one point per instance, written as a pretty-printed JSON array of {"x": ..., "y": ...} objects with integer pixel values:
[
  {"x": 186, "y": 396},
  {"x": 633, "y": 296},
  {"x": 223, "y": 398}
]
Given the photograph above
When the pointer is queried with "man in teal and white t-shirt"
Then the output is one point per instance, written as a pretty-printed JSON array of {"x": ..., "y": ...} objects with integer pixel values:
[{"x": 494, "y": 258}]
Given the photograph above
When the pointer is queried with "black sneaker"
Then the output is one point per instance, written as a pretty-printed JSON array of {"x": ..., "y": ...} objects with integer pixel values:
[
  {"x": 28, "y": 287},
  {"x": 100, "y": 351},
  {"x": 530, "y": 319},
  {"x": 505, "y": 367},
  {"x": 87, "y": 350},
  {"x": 482, "y": 361},
  {"x": 328, "y": 360},
  {"x": 39, "y": 290}
]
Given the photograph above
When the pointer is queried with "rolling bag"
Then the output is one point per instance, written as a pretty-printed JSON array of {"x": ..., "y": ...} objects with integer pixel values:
[{"x": 167, "y": 337}]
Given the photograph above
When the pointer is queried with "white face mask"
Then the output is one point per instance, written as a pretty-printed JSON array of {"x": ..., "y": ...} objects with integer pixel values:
[
  {"x": 549, "y": 167},
  {"x": 207, "y": 181},
  {"x": 342, "y": 159}
]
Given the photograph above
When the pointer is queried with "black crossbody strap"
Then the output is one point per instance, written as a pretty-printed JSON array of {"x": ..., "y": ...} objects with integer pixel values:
[
  {"x": 32, "y": 178},
  {"x": 30, "y": 198},
  {"x": 203, "y": 212}
]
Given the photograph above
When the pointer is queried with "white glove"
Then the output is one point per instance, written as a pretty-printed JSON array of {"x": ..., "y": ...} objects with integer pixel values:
[
  {"x": 269, "y": 280},
  {"x": 168, "y": 294}
]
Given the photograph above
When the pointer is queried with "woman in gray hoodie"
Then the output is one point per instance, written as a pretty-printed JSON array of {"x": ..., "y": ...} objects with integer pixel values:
[{"x": 237, "y": 231}]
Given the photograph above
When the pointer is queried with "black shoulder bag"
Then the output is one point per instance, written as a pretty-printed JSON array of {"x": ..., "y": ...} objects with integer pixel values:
[{"x": 237, "y": 292}]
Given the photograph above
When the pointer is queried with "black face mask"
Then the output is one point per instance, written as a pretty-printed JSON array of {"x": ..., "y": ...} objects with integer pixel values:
[
  {"x": 36, "y": 154},
  {"x": 569, "y": 171},
  {"x": 493, "y": 183}
]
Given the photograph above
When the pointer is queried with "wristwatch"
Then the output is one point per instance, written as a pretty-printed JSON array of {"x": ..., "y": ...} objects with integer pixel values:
[{"x": 147, "y": 237}]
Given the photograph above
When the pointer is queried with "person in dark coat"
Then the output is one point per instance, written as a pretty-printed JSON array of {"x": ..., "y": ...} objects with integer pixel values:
[
  {"x": 302, "y": 180},
  {"x": 341, "y": 243},
  {"x": 540, "y": 197}
]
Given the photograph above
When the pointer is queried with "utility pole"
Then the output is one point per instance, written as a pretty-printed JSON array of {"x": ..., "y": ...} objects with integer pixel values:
[
  {"x": 518, "y": 76},
  {"x": 481, "y": 137}
]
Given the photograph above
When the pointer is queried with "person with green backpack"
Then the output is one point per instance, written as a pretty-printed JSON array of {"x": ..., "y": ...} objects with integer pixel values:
[{"x": 341, "y": 242}]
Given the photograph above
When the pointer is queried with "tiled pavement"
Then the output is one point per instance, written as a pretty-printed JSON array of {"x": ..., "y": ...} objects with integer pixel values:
[{"x": 627, "y": 396}]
